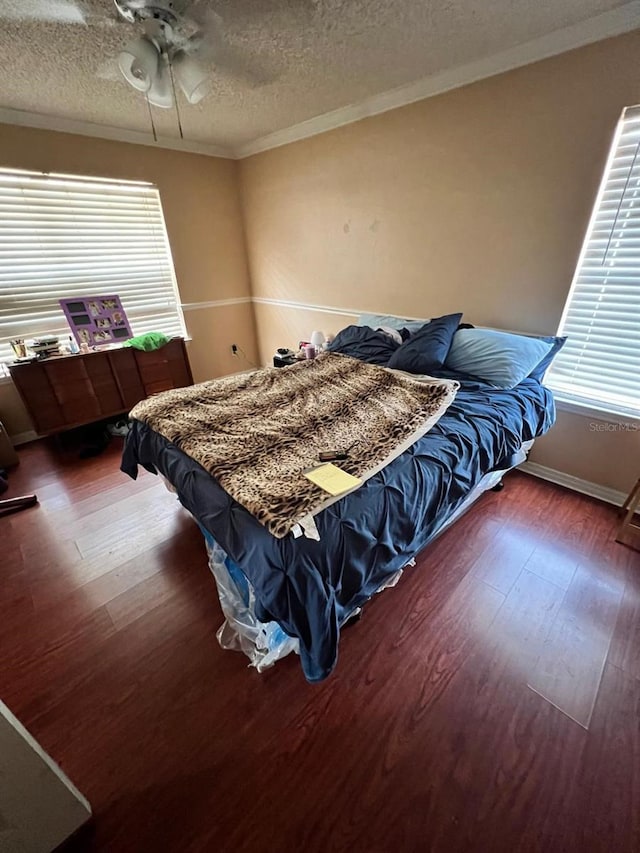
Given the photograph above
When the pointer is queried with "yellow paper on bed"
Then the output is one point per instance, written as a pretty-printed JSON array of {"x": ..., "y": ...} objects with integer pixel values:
[{"x": 332, "y": 479}]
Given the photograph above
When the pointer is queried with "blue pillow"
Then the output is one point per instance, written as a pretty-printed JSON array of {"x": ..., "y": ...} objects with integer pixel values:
[
  {"x": 427, "y": 348},
  {"x": 500, "y": 358},
  {"x": 399, "y": 323},
  {"x": 540, "y": 369},
  {"x": 365, "y": 344}
]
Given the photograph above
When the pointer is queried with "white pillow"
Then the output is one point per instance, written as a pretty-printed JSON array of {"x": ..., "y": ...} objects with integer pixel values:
[{"x": 377, "y": 321}]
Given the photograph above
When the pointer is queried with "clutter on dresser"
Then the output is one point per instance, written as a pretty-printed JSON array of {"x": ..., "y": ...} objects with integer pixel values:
[
  {"x": 318, "y": 340},
  {"x": 284, "y": 357},
  {"x": 317, "y": 343},
  {"x": 44, "y": 347},
  {"x": 19, "y": 347}
]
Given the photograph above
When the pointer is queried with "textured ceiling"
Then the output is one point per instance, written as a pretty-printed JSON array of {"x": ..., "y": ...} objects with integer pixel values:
[{"x": 312, "y": 56}]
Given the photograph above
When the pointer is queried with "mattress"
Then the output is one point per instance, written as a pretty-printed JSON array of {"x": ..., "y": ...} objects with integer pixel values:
[{"x": 308, "y": 587}]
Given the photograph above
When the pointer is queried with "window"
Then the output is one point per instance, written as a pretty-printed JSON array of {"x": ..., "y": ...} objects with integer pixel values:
[
  {"x": 599, "y": 365},
  {"x": 63, "y": 236}
]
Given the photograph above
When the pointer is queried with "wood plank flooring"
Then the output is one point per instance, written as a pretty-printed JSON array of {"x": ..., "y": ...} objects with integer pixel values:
[{"x": 490, "y": 702}]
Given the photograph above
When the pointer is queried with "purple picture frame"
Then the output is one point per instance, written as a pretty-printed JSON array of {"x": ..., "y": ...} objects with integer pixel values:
[{"x": 97, "y": 320}]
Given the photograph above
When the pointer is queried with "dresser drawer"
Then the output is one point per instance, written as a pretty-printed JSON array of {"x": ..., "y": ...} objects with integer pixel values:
[{"x": 165, "y": 368}]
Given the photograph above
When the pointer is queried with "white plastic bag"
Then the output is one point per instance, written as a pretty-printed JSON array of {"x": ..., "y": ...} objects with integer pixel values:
[{"x": 262, "y": 642}]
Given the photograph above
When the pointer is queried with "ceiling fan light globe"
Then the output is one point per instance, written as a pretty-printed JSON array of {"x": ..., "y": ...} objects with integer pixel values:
[
  {"x": 138, "y": 63},
  {"x": 193, "y": 78},
  {"x": 199, "y": 92},
  {"x": 160, "y": 94}
]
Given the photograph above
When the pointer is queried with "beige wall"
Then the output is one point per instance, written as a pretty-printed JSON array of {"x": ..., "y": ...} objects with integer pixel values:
[
  {"x": 475, "y": 200},
  {"x": 13, "y": 414},
  {"x": 201, "y": 204}
]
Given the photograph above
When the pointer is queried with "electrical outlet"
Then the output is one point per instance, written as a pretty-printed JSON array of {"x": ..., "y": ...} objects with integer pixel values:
[{"x": 234, "y": 349}]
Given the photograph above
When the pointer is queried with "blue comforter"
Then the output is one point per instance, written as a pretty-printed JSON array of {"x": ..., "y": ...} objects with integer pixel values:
[{"x": 309, "y": 587}]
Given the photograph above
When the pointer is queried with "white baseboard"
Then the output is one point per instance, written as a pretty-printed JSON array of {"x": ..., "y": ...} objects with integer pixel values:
[
  {"x": 24, "y": 437},
  {"x": 585, "y": 487}
]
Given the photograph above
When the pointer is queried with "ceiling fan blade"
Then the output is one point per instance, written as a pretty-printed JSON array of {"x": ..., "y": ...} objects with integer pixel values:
[
  {"x": 55, "y": 11},
  {"x": 210, "y": 46},
  {"x": 243, "y": 68}
]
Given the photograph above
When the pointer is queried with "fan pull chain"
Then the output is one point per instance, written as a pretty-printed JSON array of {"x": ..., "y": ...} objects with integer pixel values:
[
  {"x": 153, "y": 126},
  {"x": 175, "y": 99}
]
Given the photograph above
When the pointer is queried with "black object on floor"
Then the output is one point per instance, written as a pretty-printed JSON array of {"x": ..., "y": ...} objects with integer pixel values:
[
  {"x": 13, "y": 504},
  {"x": 9, "y": 505},
  {"x": 93, "y": 439},
  {"x": 84, "y": 442},
  {"x": 97, "y": 440}
]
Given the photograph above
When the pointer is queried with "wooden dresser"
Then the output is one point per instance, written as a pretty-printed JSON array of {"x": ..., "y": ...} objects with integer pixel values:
[{"x": 62, "y": 393}]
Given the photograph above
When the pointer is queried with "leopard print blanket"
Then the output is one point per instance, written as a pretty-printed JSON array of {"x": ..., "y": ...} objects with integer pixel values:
[{"x": 257, "y": 433}]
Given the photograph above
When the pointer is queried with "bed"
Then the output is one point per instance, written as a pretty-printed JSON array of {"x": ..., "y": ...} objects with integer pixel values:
[{"x": 306, "y": 589}]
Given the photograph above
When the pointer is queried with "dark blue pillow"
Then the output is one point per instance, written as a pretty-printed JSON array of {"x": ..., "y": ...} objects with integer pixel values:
[
  {"x": 542, "y": 366},
  {"x": 427, "y": 348},
  {"x": 364, "y": 343}
]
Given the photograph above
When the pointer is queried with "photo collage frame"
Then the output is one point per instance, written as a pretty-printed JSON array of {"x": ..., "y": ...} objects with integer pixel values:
[{"x": 97, "y": 320}]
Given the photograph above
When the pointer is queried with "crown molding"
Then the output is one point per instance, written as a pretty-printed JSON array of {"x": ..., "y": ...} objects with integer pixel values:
[
  {"x": 616, "y": 22},
  {"x": 39, "y": 121},
  {"x": 613, "y": 23}
]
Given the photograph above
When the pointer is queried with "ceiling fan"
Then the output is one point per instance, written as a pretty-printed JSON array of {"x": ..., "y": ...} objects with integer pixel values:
[
  {"x": 179, "y": 44},
  {"x": 164, "y": 54}
]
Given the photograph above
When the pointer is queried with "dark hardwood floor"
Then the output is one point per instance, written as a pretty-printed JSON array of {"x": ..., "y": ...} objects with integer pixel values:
[{"x": 489, "y": 702}]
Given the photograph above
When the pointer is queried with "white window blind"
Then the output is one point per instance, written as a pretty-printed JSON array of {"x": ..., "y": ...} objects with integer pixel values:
[
  {"x": 600, "y": 362},
  {"x": 63, "y": 236}
]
